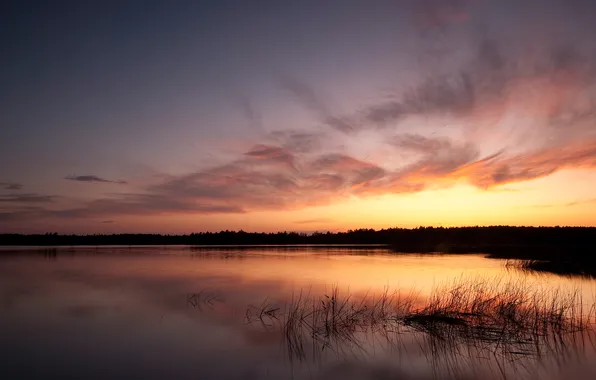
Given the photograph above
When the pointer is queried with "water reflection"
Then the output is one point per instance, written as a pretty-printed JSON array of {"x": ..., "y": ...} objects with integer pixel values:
[{"x": 210, "y": 313}]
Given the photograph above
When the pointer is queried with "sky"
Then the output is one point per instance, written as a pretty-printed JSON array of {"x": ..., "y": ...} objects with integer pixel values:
[{"x": 187, "y": 116}]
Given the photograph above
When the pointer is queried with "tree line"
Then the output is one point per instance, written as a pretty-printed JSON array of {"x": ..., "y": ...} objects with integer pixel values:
[{"x": 422, "y": 239}]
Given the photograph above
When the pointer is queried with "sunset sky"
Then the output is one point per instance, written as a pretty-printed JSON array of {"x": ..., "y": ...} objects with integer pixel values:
[{"x": 182, "y": 116}]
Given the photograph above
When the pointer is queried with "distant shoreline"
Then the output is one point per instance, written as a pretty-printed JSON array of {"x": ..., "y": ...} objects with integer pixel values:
[
  {"x": 562, "y": 250},
  {"x": 493, "y": 240}
]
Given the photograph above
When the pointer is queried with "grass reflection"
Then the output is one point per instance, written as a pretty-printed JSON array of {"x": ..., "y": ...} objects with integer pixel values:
[{"x": 506, "y": 326}]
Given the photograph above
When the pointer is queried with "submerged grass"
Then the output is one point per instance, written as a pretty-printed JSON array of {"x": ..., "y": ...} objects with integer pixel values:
[{"x": 507, "y": 319}]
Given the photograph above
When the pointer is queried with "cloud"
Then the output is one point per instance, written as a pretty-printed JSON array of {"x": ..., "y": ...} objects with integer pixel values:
[
  {"x": 420, "y": 143},
  {"x": 568, "y": 204},
  {"x": 581, "y": 202},
  {"x": 268, "y": 177},
  {"x": 502, "y": 169},
  {"x": 265, "y": 177},
  {"x": 107, "y": 222},
  {"x": 440, "y": 159},
  {"x": 11, "y": 186},
  {"x": 494, "y": 79},
  {"x": 298, "y": 142},
  {"x": 92, "y": 178},
  {"x": 314, "y": 221},
  {"x": 140, "y": 204},
  {"x": 250, "y": 113},
  {"x": 21, "y": 211},
  {"x": 554, "y": 84},
  {"x": 295, "y": 169},
  {"x": 436, "y": 158},
  {"x": 311, "y": 101},
  {"x": 12, "y": 216},
  {"x": 439, "y": 13},
  {"x": 351, "y": 171},
  {"x": 479, "y": 83},
  {"x": 26, "y": 198},
  {"x": 271, "y": 154}
]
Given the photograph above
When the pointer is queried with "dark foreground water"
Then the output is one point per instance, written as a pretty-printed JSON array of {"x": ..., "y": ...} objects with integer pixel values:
[{"x": 187, "y": 313}]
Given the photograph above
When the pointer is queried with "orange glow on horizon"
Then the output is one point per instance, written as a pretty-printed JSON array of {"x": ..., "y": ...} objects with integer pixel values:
[{"x": 558, "y": 199}]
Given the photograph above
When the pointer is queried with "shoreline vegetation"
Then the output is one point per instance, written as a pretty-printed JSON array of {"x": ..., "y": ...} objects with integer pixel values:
[
  {"x": 561, "y": 250},
  {"x": 495, "y": 239}
]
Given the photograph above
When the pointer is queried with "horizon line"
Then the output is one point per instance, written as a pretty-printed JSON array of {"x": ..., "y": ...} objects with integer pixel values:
[{"x": 308, "y": 233}]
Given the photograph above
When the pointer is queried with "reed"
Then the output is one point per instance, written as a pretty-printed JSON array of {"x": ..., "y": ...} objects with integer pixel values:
[
  {"x": 575, "y": 268},
  {"x": 501, "y": 318}
]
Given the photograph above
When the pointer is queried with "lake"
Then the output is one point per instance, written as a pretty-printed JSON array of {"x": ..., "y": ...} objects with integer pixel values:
[{"x": 288, "y": 313}]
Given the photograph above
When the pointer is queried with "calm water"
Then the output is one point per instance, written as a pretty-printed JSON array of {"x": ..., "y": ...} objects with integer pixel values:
[{"x": 184, "y": 313}]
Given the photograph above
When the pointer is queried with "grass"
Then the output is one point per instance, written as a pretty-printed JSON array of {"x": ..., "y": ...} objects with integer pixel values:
[
  {"x": 564, "y": 268},
  {"x": 504, "y": 319},
  {"x": 203, "y": 298},
  {"x": 510, "y": 320}
]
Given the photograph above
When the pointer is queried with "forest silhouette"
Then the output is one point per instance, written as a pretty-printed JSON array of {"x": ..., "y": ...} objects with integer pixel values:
[
  {"x": 564, "y": 250},
  {"x": 497, "y": 240}
]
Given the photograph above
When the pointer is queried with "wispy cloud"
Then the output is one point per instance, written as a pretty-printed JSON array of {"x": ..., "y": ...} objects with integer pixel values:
[
  {"x": 477, "y": 85},
  {"x": 314, "y": 221},
  {"x": 502, "y": 169},
  {"x": 439, "y": 13},
  {"x": 568, "y": 204},
  {"x": 307, "y": 96},
  {"x": 13, "y": 216},
  {"x": 11, "y": 186},
  {"x": 250, "y": 113},
  {"x": 140, "y": 204},
  {"x": 92, "y": 178},
  {"x": 272, "y": 155},
  {"x": 299, "y": 142},
  {"x": 26, "y": 198},
  {"x": 268, "y": 177}
]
